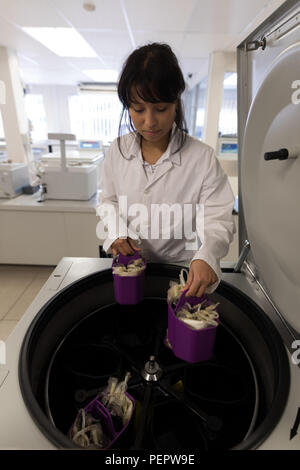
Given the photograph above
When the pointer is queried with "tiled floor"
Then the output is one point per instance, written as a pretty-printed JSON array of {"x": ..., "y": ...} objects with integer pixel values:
[{"x": 19, "y": 285}]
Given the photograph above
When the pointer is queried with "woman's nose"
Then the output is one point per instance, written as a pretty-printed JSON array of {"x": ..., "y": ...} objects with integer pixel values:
[{"x": 150, "y": 119}]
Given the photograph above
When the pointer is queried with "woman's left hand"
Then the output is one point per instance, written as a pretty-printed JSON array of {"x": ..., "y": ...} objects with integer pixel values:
[{"x": 201, "y": 275}]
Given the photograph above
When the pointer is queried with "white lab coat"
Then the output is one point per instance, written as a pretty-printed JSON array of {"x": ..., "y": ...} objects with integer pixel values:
[{"x": 191, "y": 176}]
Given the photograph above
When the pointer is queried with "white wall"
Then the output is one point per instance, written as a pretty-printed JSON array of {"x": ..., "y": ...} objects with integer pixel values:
[{"x": 15, "y": 122}]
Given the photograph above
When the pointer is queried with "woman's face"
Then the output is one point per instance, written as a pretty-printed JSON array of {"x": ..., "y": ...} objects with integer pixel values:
[{"x": 152, "y": 120}]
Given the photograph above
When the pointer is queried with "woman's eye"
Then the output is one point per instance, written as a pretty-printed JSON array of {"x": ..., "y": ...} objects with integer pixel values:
[{"x": 158, "y": 110}]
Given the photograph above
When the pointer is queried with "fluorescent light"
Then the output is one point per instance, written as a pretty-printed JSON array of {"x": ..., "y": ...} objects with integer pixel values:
[
  {"x": 102, "y": 76},
  {"x": 65, "y": 42}
]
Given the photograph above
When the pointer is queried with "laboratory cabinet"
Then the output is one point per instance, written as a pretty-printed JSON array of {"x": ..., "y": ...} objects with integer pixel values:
[{"x": 42, "y": 233}]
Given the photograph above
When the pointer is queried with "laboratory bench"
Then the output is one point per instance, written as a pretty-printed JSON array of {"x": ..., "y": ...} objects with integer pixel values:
[{"x": 41, "y": 233}]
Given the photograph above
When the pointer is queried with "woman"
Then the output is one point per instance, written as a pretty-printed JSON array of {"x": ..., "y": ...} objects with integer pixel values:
[{"x": 165, "y": 176}]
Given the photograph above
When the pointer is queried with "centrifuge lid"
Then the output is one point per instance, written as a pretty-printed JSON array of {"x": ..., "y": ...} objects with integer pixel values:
[{"x": 270, "y": 189}]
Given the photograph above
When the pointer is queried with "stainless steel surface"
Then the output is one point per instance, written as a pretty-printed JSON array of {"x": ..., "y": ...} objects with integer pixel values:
[
  {"x": 247, "y": 283},
  {"x": 43, "y": 192},
  {"x": 152, "y": 371},
  {"x": 242, "y": 257}
]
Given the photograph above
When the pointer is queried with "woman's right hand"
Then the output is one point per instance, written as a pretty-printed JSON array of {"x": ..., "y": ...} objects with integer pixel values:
[{"x": 125, "y": 246}]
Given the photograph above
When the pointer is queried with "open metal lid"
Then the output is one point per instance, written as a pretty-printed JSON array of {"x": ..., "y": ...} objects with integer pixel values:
[{"x": 270, "y": 189}]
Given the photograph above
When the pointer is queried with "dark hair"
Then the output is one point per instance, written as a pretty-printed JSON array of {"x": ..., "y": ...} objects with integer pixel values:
[{"x": 155, "y": 75}]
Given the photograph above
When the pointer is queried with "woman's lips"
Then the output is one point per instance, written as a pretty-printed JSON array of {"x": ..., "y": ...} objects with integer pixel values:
[{"x": 151, "y": 132}]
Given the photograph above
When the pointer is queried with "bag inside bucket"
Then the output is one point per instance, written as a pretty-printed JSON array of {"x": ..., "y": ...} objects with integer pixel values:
[
  {"x": 195, "y": 312},
  {"x": 101, "y": 422}
]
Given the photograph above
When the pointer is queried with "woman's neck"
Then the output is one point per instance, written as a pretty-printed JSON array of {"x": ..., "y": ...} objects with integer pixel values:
[{"x": 152, "y": 151}]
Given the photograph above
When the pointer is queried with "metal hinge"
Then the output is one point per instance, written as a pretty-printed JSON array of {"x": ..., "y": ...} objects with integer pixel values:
[
  {"x": 242, "y": 257},
  {"x": 254, "y": 45}
]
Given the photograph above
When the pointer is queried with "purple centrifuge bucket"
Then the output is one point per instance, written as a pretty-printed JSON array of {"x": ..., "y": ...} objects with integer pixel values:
[
  {"x": 187, "y": 343},
  {"x": 100, "y": 412},
  {"x": 129, "y": 290}
]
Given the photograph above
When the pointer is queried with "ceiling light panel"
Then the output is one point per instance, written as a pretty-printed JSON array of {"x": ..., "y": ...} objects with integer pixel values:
[
  {"x": 18, "y": 40},
  {"x": 64, "y": 42}
]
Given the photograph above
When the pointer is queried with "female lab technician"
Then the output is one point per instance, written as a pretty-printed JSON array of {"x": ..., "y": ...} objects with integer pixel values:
[{"x": 158, "y": 163}]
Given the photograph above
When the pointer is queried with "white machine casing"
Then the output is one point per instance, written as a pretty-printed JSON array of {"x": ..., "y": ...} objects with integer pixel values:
[
  {"x": 75, "y": 158},
  {"x": 63, "y": 181},
  {"x": 13, "y": 177},
  {"x": 268, "y": 274},
  {"x": 268, "y": 189},
  {"x": 74, "y": 183}
]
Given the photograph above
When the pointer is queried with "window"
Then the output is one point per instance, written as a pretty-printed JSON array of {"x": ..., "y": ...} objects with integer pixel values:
[
  {"x": 3, "y": 152},
  {"x": 194, "y": 102},
  {"x": 228, "y": 114},
  {"x": 1, "y": 127},
  {"x": 200, "y": 108},
  {"x": 95, "y": 115},
  {"x": 188, "y": 99},
  {"x": 34, "y": 106}
]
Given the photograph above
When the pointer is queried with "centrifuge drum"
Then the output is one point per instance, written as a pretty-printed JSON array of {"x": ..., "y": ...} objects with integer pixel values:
[{"x": 81, "y": 337}]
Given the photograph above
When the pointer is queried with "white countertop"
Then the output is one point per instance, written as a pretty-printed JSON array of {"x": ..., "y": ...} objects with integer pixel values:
[{"x": 30, "y": 203}]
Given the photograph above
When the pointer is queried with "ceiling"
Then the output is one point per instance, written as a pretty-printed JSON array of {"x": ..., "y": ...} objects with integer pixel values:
[{"x": 193, "y": 28}]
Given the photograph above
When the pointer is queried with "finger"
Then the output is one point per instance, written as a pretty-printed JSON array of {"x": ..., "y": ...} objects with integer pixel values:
[
  {"x": 129, "y": 248},
  {"x": 189, "y": 281},
  {"x": 125, "y": 250},
  {"x": 193, "y": 289},
  {"x": 133, "y": 245},
  {"x": 201, "y": 290}
]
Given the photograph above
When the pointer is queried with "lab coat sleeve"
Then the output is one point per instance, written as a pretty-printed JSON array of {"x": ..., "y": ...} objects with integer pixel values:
[
  {"x": 112, "y": 223},
  {"x": 219, "y": 227},
  {"x": 108, "y": 228}
]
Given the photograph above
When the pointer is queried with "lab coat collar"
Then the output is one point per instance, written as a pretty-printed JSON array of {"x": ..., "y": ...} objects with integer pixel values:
[{"x": 135, "y": 147}]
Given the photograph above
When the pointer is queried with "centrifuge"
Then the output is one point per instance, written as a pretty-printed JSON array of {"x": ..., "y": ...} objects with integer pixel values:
[{"x": 74, "y": 336}]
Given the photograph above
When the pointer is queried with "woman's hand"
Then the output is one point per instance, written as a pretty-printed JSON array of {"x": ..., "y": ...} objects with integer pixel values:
[
  {"x": 125, "y": 246},
  {"x": 201, "y": 275}
]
